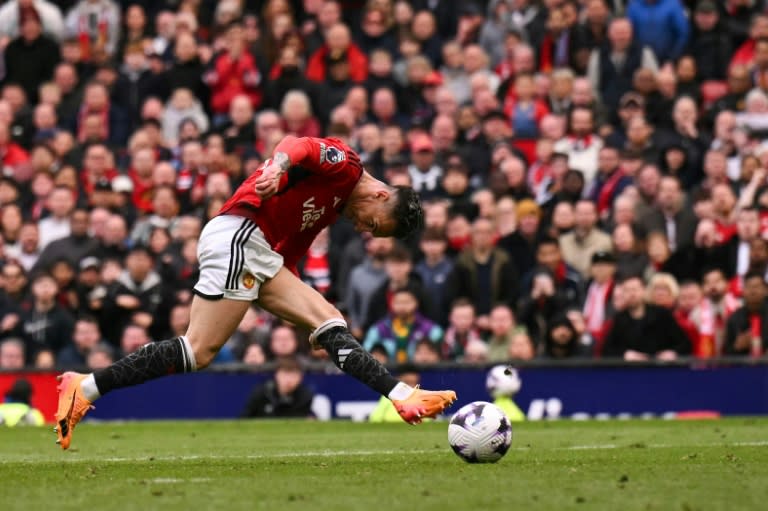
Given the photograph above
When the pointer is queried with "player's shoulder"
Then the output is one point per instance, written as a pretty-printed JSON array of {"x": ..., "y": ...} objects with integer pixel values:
[{"x": 335, "y": 150}]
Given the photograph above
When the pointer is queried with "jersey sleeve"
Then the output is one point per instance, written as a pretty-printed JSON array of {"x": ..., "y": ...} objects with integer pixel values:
[{"x": 322, "y": 156}]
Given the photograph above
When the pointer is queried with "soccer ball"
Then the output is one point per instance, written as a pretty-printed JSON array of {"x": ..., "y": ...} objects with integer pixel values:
[{"x": 480, "y": 433}]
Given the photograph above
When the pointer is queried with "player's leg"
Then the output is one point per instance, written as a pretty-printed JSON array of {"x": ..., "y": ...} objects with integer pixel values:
[
  {"x": 288, "y": 297},
  {"x": 221, "y": 301},
  {"x": 211, "y": 323}
]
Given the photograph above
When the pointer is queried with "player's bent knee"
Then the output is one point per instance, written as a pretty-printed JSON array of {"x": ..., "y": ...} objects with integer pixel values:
[
  {"x": 204, "y": 352},
  {"x": 205, "y": 356},
  {"x": 329, "y": 314}
]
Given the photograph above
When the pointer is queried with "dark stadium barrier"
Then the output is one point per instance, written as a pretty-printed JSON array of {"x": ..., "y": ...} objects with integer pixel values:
[{"x": 571, "y": 390}]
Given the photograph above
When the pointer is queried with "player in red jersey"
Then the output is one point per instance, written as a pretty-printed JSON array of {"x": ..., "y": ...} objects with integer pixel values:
[{"x": 248, "y": 252}]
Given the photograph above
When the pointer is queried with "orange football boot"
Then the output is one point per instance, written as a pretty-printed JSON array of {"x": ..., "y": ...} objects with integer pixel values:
[
  {"x": 73, "y": 406},
  {"x": 424, "y": 403}
]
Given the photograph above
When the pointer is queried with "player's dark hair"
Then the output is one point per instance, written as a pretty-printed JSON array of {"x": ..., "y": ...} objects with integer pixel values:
[{"x": 407, "y": 212}]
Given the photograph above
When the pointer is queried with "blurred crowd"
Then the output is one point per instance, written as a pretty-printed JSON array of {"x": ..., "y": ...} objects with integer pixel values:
[{"x": 593, "y": 172}]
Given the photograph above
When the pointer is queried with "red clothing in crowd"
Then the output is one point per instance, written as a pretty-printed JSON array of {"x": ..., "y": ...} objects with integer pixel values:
[
  {"x": 13, "y": 155},
  {"x": 317, "y": 66},
  {"x": 724, "y": 232},
  {"x": 688, "y": 326},
  {"x": 310, "y": 128},
  {"x": 142, "y": 192},
  {"x": 189, "y": 180},
  {"x": 312, "y": 194},
  {"x": 745, "y": 54},
  {"x": 230, "y": 78},
  {"x": 89, "y": 180}
]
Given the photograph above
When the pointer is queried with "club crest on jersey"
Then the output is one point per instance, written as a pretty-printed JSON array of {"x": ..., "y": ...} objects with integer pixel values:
[
  {"x": 331, "y": 154},
  {"x": 249, "y": 280},
  {"x": 310, "y": 214}
]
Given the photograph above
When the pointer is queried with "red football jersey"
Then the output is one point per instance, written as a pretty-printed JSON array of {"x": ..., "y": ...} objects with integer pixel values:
[{"x": 311, "y": 196}]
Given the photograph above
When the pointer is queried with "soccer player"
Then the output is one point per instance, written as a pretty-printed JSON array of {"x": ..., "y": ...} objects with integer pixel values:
[{"x": 248, "y": 252}]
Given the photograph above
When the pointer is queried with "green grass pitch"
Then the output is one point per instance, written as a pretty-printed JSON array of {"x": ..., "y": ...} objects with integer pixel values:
[{"x": 617, "y": 465}]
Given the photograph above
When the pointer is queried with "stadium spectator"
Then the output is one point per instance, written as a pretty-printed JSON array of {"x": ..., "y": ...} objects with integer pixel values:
[
  {"x": 60, "y": 204},
  {"x": 484, "y": 274},
  {"x": 284, "y": 395},
  {"x": 581, "y": 144},
  {"x": 585, "y": 240},
  {"x": 85, "y": 337},
  {"x": 252, "y": 330},
  {"x": 643, "y": 331},
  {"x": 670, "y": 215},
  {"x": 461, "y": 330},
  {"x": 598, "y": 308},
  {"x": 710, "y": 43},
  {"x": 296, "y": 112},
  {"x": 435, "y": 270},
  {"x": 31, "y": 57},
  {"x": 187, "y": 69},
  {"x": 13, "y": 12},
  {"x": 563, "y": 341},
  {"x": 664, "y": 291},
  {"x": 12, "y": 355},
  {"x": 254, "y": 354},
  {"x": 182, "y": 109},
  {"x": 364, "y": 280},
  {"x": 27, "y": 250},
  {"x": 501, "y": 329},
  {"x": 138, "y": 296},
  {"x": 283, "y": 343},
  {"x": 95, "y": 26},
  {"x": 521, "y": 346},
  {"x": 46, "y": 325},
  {"x": 612, "y": 65},
  {"x": 404, "y": 327},
  {"x": 475, "y": 352},
  {"x": 132, "y": 337},
  {"x": 567, "y": 281},
  {"x": 745, "y": 53},
  {"x": 398, "y": 266},
  {"x": 609, "y": 182},
  {"x": 660, "y": 25},
  {"x": 747, "y": 328},
  {"x": 100, "y": 120},
  {"x": 100, "y": 356},
  {"x": 233, "y": 72},
  {"x": 15, "y": 284}
]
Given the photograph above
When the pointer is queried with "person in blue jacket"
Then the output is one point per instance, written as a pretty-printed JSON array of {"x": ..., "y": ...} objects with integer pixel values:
[{"x": 661, "y": 25}]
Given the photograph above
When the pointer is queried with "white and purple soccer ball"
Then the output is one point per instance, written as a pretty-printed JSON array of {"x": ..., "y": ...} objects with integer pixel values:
[{"x": 480, "y": 433}]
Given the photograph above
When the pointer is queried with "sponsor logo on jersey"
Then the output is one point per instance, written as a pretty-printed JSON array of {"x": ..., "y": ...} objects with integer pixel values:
[
  {"x": 310, "y": 214},
  {"x": 331, "y": 154},
  {"x": 249, "y": 280}
]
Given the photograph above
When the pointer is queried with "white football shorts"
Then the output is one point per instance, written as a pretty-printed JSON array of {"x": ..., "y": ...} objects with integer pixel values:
[{"x": 235, "y": 259}]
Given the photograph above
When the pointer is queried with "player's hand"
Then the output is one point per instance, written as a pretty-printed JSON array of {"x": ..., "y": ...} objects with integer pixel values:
[{"x": 268, "y": 183}]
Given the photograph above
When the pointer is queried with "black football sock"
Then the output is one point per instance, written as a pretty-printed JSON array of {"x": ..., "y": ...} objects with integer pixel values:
[
  {"x": 151, "y": 361},
  {"x": 351, "y": 358}
]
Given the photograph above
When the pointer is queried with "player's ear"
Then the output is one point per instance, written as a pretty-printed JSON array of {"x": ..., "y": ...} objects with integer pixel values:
[{"x": 382, "y": 195}]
